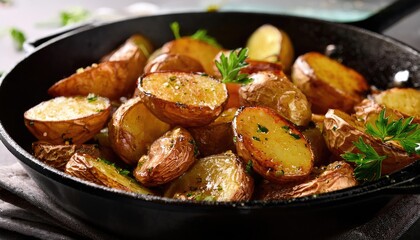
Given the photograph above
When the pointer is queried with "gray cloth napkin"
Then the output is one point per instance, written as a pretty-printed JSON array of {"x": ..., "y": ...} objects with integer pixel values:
[{"x": 25, "y": 209}]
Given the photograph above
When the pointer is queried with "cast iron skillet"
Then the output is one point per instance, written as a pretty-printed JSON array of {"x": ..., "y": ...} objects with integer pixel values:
[{"x": 126, "y": 215}]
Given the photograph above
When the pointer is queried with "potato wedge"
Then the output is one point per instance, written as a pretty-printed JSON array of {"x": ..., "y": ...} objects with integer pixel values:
[
  {"x": 404, "y": 100},
  {"x": 185, "y": 99},
  {"x": 269, "y": 43},
  {"x": 277, "y": 150},
  {"x": 132, "y": 129},
  {"x": 336, "y": 176},
  {"x": 173, "y": 62},
  {"x": 328, "y": 83},
  {"x": 68, "y": 119},
  {"x": 112, "y": 79},
  {"x": 216, "y": 137},
  {"x": 57, "y": 156},
  {"x": 368, "y": 111},
  {"x": 341, "y": 130},
  {"x": 318, "y": 146},
  {"x": 220, "y": 177},
  {"x": 144, "y": 45},
  {"x": 202, "y": 51},
  {"x": 275, "y": 90},
  {"x": 168, "y": 158},
  {"x": 101, "y": 172}
]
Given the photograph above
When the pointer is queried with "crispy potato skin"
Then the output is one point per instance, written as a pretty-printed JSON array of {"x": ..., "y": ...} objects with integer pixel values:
[
  {"x": 216, "y": 137},
  {"x": 92, "y": 169},
  {"x": 336, "y": 176},
  {"x": 112, "y": 79},
  {"x": 193, "y": 107},
  {"x": 202, "y": 51},
  {"x": 57, "y": 156},
  {"x": 168, "y": 158},
  {"x": 220, "y": 177},
  {"x": 275, "y": 90},
  {"x": 317, "y": 144},
  {"x": 277, "y": 150},
  {"x": 75, "y": 129},
  {"x": 341, "y": 130},
  {"x": 132, "y": 129},
  {"x": 327, "y": 83},
  {"x": 173, "y": 62}
]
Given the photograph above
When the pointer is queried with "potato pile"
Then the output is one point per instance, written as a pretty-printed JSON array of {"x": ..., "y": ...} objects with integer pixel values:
[{"x": 163, "y": 122}]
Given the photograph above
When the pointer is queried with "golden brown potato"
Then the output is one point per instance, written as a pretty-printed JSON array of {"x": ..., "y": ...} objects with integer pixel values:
[
  {"x": 368, "y": 111},
  {"x": 194, "y": 48},
  {"x": 220, "y": 177},
  {"x": 68, "y": 119},
  {"x": 113, "y": 79},
  {"x": 336, "y": 176},
  {"x": 57, "y": 156},
  {"x": 132, "y": 130},
  {"x": 216, "y": 137},
  {"x": 185, "y": 99},
  {"x": 168, "y": 158},
  {"x": 99, "y": 171},
  {"x": 144, "y": 45},
  {"x": 328, "y": 83},
  {"x": 341, "y": 130},
  {"x": 272, "y": 44},
  {"x": 277, "y": 150},
  {"x": 275, "y": 90},
  {"x": 403, "y": 100},
  {"x": 173, "y": 62}
]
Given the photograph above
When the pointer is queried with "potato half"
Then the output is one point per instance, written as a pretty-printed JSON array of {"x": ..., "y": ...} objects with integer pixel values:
[
  {"x": 173, "y": 62},
  {"x": 185, "y": 99},
  {"x": 68, "y": 119},
  {"x": 341, "y": 130},
  {"x": 220, "y": 177},
  {"x": 112, "y": 79},
  {"x": 132, "y": 129},
  {"x": 99, "y": 171},
  {"x": 168, "y": 158},
  {"x": 275, "y": 90},
  {"x": 328, "y": 83},
  {"x": 269, "y": 43},
  {"x": 216, "y": 137},
  {"x": 197, "y": 49},
  {"x": 277, "y": 150},
  {"x": 336, "y": 176}
]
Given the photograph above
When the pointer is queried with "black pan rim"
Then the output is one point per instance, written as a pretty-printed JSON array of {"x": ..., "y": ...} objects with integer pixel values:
[{"x": 372, "y": 188}]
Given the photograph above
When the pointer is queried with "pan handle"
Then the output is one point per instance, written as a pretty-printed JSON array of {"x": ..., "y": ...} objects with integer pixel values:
[
  {"x": 31, "y": 44},
  {"x": 386, "y": 17}
]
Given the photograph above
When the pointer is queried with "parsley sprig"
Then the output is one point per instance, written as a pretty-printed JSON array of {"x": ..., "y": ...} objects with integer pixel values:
[
  {"x": 368, "y": 162},
  {"x": 200, "y": 34},
  {"x": 18, "y": 38},
  {"x": 230, "y": 66},
  {"x": 402, "y": 130}
]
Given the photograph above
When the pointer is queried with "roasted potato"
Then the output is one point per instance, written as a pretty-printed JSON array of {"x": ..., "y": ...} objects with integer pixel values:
[
  {"x": 132, "y": 129},
  {"x": 68, "y": 119},
  {"x": 168, "y": 158},
  {"x": 277, "y": 150},
  {"x": 185, "y": 99},
  {"x": 318, "y": 146},
  {"x": 144, "y": 45},
  {"x": 112, "y": 79},
  {"x": 275, "y": 90},
  {"x": 328, "y": 83},
  {"x": 173, "y": 62},
  {"x": 269, "y": 43},
  {"x": 194, "y": 48},
  {"x": 220, "y": 177},
  {"x": 403, "y": 100},
  {"x": 341, "y": 130},
  {"x": 336, "y": 176},
  {"x": 99, "y": 171},
  {"x": 57, "y": 156},
  {"x": 216, "y": 137}
]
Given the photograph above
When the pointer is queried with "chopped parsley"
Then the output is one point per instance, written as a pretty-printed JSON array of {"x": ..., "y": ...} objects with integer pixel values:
[
  {"x": 256, "y": 138},
  {"x": 91, "y": 97},
  {"x": 230, "y": 66},
  {"x": 248, "y": 167},
  {"x": 200, "y": 34},
  {"x": 73, "y": 15},
  {"x": 262, "y": 129},
  {"x": 18, "y": 38}
]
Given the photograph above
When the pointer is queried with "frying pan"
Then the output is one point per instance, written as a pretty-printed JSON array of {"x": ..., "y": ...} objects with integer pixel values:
[{"x": 128, "y": 215}]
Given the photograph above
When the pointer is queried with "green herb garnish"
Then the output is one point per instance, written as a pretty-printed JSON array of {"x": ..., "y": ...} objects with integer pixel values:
[
  {"x": 248, "y": 167},
  {"x": 262, "y": 129},
  {"x": 73, "y": 15},
  {"x": 91, "y": 97},
  {"x": 230, "y": 66},
  {"x": 256, "y": 138},
  {"x": 403, "y": 131},
  {"x": 368, "y": 162},
  {"x": 18, "y": 38},
  {"x": 200, "y": 34}
]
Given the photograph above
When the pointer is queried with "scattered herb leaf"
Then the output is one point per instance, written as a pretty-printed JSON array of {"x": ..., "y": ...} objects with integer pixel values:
[
  {"x": 256, "y": 138},
  {"x": 175, "y": 29},
  {"x": 91, "y": 97},
  {"x": 200, "y": 34},
  {"x": 248, "y": 167},
  {"x": 262, "y": 129},
  {"x": 18, "y": 38},
  {"x": 229, "y": 67},
  {"x": 73, "y": 15}
]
